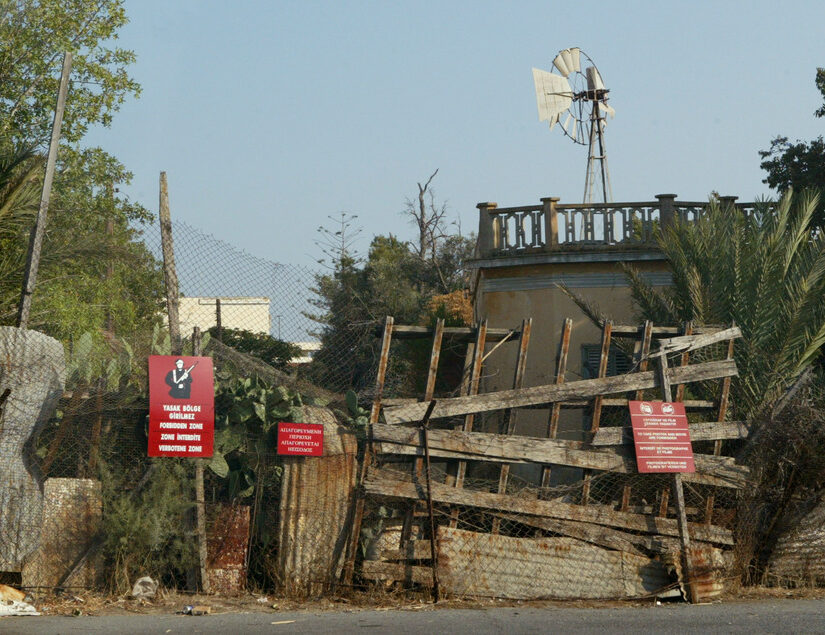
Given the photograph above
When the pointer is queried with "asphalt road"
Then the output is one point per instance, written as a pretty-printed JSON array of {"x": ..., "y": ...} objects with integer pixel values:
[{"x": 774, "y": 616}]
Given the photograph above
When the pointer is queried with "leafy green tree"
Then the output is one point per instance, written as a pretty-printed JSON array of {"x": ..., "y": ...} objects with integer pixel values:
[
  {"x": 397, "y": 278},
  {"x": 799, "y": 165},
  {"x": 34, "y": 34},
  {"x": 769, "y": 278},
  {"x": 273, "y": 351},
  {"x": 95, "y": 274}
]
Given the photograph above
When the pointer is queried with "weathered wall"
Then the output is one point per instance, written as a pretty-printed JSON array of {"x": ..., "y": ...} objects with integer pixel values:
[
  {"x": 72, "y": 513},
  {"x": 316, "y": 496},
  {"x": 799, "y": 555},
  {"x": 507, "y": 295},
  {"x": 33, "y": 370}
]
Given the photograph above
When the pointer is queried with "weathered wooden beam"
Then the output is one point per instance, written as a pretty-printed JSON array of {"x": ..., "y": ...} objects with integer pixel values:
[
  {"x": 403, "y": 332},
  {"x": 720, "y": 471},
  {"x": 383, "y": 484},
  {"x": 550, "y": 393},
  {"x": 687, "y": 343},
  {"x": 635, "y": 332},
  {"x": 705, "y": 431},
  {"x": 607, "y": 402}
]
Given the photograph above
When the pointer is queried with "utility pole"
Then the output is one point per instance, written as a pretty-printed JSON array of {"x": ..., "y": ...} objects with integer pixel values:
[
  {"x": 36, "y": 240},
  {"x": 170, "y": 275}
]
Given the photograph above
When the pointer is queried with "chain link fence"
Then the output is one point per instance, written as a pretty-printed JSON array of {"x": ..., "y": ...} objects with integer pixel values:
[{"x": 83, "y": 506}]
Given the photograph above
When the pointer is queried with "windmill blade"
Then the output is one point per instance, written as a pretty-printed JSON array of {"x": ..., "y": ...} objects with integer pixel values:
[
  {"x": 567, "y": 122},
  {"x": 603, "y": 105},
  {"x": 568, "y": 61},
  {"x": 553, "y": 94},
  {"x": 553, "y": 121},
  {"x": 594, "y": 79}
]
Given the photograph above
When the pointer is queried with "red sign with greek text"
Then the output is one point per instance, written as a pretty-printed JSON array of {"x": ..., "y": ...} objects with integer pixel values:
[
  {"x": 301, "y": 439},
  {"x": 661, "y": 437},
  {"x": 181, "y": 406}
]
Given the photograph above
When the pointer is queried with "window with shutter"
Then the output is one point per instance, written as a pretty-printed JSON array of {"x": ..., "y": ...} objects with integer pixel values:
[{"x": 618, "y": 362}]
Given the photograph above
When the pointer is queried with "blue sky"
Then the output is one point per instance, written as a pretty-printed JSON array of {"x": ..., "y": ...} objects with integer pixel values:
[{"x": 270, "y": 116}]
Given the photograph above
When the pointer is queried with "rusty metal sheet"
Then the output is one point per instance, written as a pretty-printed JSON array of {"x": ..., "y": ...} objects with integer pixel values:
[
  {"x": 316, "y": 495},
  {"x": 487, "y": 565},
  {"x": 227, "y": 544}
]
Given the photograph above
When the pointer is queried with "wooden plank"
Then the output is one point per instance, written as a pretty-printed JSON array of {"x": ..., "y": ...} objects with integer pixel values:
[
  {"x": 686, "y": 343},
  {"x": 707, "y": 473},
  {"x": 647, "y": 336},
  {"x": 607, "y": 402},
  {"x": 475, "y": 380},
  {"x": 358, "y": 511},
  {"x": 383, "y": 484},
  {"x": 485, "y": 565},
  {"x": 583, "y": 389},
  {"x": 720, "y": 416},
  {"x": 705, "y": 431},
  {"x": 463, "y": 389},
  {"x": 509, "y": 419},
  {"x": 555, "y": 410},
  {"x": 604, "y": 357},
  {"x": 723, "y": 400},
  {"x": 680, "y": 388},
  {"x": 600, "y": 535},
  {"x": 200, "y": 496},
  {"x": 561, "y": 370},
  {"x": 432, "y": 373},
  {"x": 678, "y": 490},
  {"x": 720, "y": 471},
  {"x": 631, "y": 331},
  {"x": 403, "y": 332}
]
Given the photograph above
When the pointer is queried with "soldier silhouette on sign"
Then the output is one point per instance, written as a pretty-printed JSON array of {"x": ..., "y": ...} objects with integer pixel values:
[{"x": 180, "y": 380}]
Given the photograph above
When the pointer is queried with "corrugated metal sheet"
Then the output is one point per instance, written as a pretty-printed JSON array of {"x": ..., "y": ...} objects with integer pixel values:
[
  {"x": 799, "y": 554},
  {"x": 316, "y": 496},
  {"x": 488, "y": 565}
]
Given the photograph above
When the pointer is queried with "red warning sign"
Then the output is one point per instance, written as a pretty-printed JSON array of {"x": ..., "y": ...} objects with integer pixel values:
[
  {"x": 181, "y": 406},
  {"x": 661, "y": 437},
  {"x": 301, "y": 439}
]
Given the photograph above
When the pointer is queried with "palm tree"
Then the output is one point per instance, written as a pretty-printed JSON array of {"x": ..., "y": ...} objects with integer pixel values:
[
  {"x": 20, "y": 175},
  {"x": 763, "y": 271}
]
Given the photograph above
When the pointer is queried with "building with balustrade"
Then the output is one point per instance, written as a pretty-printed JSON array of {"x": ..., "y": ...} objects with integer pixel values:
[{"x": 524, "y": 253}]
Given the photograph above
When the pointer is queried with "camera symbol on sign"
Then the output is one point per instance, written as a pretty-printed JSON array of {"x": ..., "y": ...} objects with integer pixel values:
[
  {"x": 646, "y": 408},
  {"x": 667, "y": 409}
]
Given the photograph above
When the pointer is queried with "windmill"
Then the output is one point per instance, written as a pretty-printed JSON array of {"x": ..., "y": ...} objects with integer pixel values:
[{"x": 577, "y": 101}]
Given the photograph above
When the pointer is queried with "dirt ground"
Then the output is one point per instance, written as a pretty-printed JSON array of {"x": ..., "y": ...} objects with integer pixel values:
[{"x": 171, "y": 602}]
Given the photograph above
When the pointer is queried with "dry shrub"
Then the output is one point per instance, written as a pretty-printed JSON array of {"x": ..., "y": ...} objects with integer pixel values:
[
  {"x": 786, "y": 454},
  {"x": 455, "y": 308}
]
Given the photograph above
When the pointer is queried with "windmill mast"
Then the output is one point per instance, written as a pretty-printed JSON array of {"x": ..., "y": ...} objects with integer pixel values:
[{"x": 599, "y": 155}]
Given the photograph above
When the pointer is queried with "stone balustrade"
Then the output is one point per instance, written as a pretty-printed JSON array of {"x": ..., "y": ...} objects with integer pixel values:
[{"x": 553, "y": 226}]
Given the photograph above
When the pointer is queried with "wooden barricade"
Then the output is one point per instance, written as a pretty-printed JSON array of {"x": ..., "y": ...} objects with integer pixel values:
[{"x": 633, "y": 543}]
